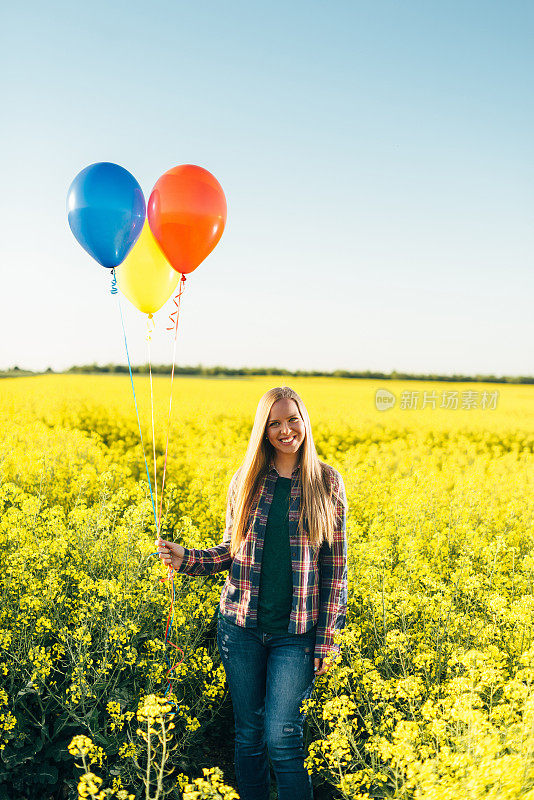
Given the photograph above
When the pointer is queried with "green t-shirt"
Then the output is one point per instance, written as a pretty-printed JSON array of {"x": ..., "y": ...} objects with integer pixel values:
[{"x": 276, "y": 579}]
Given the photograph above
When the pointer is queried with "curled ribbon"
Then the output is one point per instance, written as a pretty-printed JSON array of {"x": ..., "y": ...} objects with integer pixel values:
[
  {"x": 176, "y": 300},
  {"x": 150, "y": 327},
  {"x": 114, "y": 288}
]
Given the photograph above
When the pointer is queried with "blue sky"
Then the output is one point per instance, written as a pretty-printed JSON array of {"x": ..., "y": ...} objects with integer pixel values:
[{"x": 376, "y": 159}]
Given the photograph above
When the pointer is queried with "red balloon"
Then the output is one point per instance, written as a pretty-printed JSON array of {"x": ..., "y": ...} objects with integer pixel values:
[{"x": 187, "y": 214}]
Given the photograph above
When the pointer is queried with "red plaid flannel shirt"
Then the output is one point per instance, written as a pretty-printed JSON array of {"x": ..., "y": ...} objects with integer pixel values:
[{"x": 319, "y": 574}]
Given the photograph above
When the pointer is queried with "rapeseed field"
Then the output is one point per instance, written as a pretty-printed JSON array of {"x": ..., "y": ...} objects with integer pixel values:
[{"x": 433, "y": 698}]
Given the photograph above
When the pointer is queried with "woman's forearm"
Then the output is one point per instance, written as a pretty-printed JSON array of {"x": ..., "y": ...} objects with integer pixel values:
[{"x": 206, "y": 562}]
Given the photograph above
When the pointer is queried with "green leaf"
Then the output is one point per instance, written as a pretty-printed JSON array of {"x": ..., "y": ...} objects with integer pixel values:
[
  {"x": 47, "y": 774},
  {"x": 28, "y": 689},
  {"x": 4, "y": 792},
  {"x": 57, "y": 751},
  {"x": 21, "y": 754}
]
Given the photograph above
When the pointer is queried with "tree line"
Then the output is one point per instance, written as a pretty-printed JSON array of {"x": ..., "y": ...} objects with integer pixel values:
[{"x": 229, "y": 372}]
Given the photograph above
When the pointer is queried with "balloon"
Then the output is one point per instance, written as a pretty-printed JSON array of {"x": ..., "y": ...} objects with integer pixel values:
[
  {"x": 145, "y": 276},
  {"x": 106, "y": 211},
  {"x": 187, "y": 214}
]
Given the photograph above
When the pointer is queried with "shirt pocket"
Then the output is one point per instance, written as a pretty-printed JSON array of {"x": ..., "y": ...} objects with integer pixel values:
[
  {"x": 244, "y": 558},
  {"x": 233, "y": 597},
  {"x": 230, "y": 594}
]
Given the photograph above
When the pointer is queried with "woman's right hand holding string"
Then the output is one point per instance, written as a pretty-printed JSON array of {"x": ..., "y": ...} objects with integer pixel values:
[{"x": 170, "y": 553}]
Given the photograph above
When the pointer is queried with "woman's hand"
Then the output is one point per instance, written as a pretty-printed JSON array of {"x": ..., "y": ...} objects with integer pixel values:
[
  {"x": 321, "y": 667},
  {"x": 170, "y": 553}
]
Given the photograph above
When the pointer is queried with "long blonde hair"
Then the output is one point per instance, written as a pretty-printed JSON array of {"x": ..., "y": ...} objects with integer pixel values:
[{"x": 317, "y": 503}]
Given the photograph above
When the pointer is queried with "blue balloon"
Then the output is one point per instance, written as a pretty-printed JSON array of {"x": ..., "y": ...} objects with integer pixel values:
[{"x": 106, "y": 211}]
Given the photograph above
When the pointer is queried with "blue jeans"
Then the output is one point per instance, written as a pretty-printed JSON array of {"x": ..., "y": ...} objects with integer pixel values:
[{"x": 269, "y": 675}]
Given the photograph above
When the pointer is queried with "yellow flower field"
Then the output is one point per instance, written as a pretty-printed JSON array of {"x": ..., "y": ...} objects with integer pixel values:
[{"x": 433, "y": 698}]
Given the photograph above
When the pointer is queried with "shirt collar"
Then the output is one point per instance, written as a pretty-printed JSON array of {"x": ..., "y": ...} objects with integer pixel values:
[{"x": 272, "y": 469}]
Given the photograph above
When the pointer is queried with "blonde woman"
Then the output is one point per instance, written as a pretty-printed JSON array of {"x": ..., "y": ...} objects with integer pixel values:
[{"x": 285, "y": 546}]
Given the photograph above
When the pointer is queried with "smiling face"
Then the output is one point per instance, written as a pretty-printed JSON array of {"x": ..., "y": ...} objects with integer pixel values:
[{"x": 285, "y": 427}]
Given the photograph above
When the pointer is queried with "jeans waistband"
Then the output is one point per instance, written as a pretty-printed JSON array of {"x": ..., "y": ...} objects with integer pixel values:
[{"x": 260, "y": 631}]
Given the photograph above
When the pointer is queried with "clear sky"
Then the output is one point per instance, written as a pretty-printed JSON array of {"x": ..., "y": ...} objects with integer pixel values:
[{"x": 377, "y": 160}]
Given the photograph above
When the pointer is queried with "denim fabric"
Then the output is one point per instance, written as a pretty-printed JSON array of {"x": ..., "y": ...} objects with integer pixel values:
[{"x": 269, "y": 675}]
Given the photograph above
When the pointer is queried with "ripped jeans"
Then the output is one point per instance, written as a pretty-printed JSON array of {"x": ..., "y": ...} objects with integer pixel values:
[{"x": 269, "y": 675}]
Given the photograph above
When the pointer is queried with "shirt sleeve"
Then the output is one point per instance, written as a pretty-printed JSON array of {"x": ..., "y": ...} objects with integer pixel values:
[
  {"x": 213, "y": 559},
  {"x": 333, "y": 578}
]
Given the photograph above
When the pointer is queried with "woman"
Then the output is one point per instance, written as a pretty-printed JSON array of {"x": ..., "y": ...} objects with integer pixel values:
[{"x": 285, "y": 595}]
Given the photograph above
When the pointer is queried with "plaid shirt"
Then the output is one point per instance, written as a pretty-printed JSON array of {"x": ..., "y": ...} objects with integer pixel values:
[{"x": 319, "y": 574}]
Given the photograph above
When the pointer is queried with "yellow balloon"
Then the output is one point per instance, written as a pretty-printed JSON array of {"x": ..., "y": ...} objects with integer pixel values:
[{"x": 145, "y": 276}]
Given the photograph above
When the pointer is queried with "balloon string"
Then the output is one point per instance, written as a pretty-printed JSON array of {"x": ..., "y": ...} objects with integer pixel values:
[
  {"x": 171, "y": 667},
  {"x": 176, "y": 314},
  {"x": 150, "y": 325},
  {"x": 174, "y": 317},
  {"x": 168, "y": 631},
  {"x": 115, "y": 291}
]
